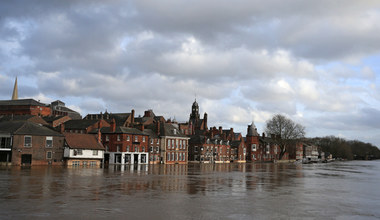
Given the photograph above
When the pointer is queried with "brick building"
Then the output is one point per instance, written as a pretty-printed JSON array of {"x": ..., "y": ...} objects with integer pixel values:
[
  {"x": 124, "y": 145},
  {"x": 174, "y": 144},
  {"x": 24, "y": 107},
  {"x": 29, "y": 143}
]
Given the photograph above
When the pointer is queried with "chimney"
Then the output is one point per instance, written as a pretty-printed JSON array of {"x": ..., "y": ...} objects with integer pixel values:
[
  {"x": 62, "y": 128},
  {"x": 248, "y": 130},
  {"x": 224, "y": 136},
  {"x": 113, "y": 125},
  {"x": 147, "y": 114},
  {"x": 272, "y": 136},
  {"x": 141, "y": 127},
  {"x": 99, "y": 136},
  {"x": 132, "y": 116},
  {"x": 158, "y": 128},
  {"x": 263, "y": 134},
  {"x": 220, "y": 129},
  {"x": 205, "y": 120}
]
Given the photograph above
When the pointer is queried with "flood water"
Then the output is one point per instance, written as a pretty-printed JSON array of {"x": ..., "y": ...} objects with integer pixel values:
[{"x": 339, "y": 190}]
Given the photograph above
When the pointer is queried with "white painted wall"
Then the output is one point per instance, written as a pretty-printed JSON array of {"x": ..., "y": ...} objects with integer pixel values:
[{"x": 69, "y": 153}]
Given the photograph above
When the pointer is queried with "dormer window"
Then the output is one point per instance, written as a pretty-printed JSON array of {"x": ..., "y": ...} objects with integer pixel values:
[{"x": 174, "y": 131}]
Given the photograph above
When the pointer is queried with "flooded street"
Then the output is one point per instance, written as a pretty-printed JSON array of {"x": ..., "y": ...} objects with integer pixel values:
[{"x": 339, "y": 190}]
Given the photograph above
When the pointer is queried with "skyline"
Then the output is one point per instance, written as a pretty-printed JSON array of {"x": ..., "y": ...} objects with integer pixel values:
[{"x": 315, "y": 62}]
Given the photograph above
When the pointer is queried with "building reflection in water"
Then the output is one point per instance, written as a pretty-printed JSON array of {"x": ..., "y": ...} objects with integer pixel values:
[{"x": 116, "y": 180}]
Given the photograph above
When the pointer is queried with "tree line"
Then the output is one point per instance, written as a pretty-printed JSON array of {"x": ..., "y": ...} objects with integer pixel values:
[
  {"x": 347, "y": 149},
  {"x": 287, "y": 134}
]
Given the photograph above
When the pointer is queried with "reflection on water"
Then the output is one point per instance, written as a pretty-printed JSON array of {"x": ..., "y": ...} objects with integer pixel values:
[{"x": 194, "y": 191}]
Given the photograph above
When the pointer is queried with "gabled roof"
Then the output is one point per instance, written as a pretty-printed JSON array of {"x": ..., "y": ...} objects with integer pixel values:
[
  {"x": 16, "y": 117},
  {"x": 150, "y": 133},
  {"x": 122, "y": 130},
  {"x": 26, "y": 128},
  {"x": 50, "y": 119},
  {"x": 83, "y": 141},
  {"x": 120, "y": 118},
  {"x": 79, "y": 124},
  {"x": 170, "y": 130},
  {"x": 30, "y": 102}
]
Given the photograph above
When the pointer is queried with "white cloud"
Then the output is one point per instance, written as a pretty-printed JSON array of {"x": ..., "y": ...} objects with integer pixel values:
[{"x": 245, "y": 60}]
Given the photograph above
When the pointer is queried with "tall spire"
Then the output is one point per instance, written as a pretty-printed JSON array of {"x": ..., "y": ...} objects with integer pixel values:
[{"x": 15, "y": 91}]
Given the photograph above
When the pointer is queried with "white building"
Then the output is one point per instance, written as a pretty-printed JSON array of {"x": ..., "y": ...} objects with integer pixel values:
[{"x": 83, "y": 150}]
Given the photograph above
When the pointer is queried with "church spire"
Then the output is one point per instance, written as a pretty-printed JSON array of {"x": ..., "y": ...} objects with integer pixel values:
[{"x": 15, "y": 91}]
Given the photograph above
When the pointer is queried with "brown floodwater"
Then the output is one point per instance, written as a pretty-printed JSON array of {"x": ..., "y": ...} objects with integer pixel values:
[{"x": 339, "y": 190}]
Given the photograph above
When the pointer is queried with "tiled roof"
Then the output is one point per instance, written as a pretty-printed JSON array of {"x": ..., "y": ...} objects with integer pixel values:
[
  {"x": 10, "y": 126},
  {"x": 79, "y": 124},
  {"x": 26, "y": 128},
  {"x": 150, "y": 133},
  {"x": 52, "y": 118},
  {"x": 16, "y": 117},
  {"x": 31, "y": 102},
  {"x": 122, "y": 130},
  {"x": 169, "y": 130},
  {"x": 83, "y": 141}
]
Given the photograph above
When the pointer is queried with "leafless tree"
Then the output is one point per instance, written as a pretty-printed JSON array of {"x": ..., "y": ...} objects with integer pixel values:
[{"x": 285, "y": 131}]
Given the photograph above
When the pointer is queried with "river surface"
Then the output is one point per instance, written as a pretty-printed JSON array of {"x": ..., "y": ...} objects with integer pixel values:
[{"x": 338, "y": 190}]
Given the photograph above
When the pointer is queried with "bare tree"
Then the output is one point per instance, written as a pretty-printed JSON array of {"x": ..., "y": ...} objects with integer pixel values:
[{"x": 286, "y": 132}]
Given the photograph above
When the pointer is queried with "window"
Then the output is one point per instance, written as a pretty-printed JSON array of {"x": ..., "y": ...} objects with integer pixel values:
[
  {"x": 172, "y": 144},
  {"x": 128, "y": 148},
  {"x": 49, "y": 141},
  {"x": 79, "y": 152},
  {"x": 107, "y": 138},
  {"x": 143, "y": 149},
  {"x": 27, "y": 141},
  {"x": 92, "y": 163},
  {"x": 173, "y": 158},
  {"x": 196, "y": 148},
  {"x": 118, "y": 148},
  {"x": 49, "y": 155},
  {"x": 95, "y": 152},
  {"x": 128, "y": 138},
  {"x": 176, "y": 143},
  {"x": 253, "y": 147},
  {"x": 143, "y": 139},
  {"x": 118, "y": 137},
  {"x": 158, "y": 141},
  {"x": 151, "y": 141},
  {"x": 180, "y": 157},
  {"x": 157, "y": 149},
  {"x": 184, "y": 156},
  {"x": 84, "y": 163},
  {"x": 76, "y": 163},
  {"x": 107, "y": 148},
  {"x": 136, "y": 149},
  {"x": 151, "y": 149},
  {"x": 136, "y": 139},
  {"x": 168, "y": 143}
]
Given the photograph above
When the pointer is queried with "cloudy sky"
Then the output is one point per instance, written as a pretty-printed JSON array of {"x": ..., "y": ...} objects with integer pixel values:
[{"x": 317, "y": 62}]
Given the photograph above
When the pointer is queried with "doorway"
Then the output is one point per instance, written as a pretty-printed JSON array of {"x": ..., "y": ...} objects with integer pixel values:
[
  {"x": 26, "y": 159},
  {"x": 136, "y": 158}
]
